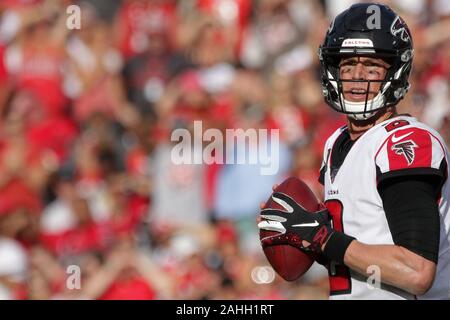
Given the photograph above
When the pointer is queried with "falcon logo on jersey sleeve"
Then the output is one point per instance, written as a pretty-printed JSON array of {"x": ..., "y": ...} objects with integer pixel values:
[
  {"x": 406, "y": 148},
  {"x": 409, "y": 148}
]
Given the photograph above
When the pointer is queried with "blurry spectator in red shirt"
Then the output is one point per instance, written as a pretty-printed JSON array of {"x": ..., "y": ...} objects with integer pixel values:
[
  {"x": 234, "y": 15},
  {"x": 35, "y": 60},
  {"x": 48, "y": 138},
  {"x": 93, "y": 74},
  {"x": 128, "y": 207},
  {"x": 67, "y": 225},
  {"x": 137, "y": 18},
  {"x": 147, "y": 73},
  {"x": 128, "y": 274},
  {"x": 277, "y": 27}
]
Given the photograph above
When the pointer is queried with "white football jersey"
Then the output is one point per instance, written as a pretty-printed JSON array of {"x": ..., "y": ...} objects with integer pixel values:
[{"x": 397, "y": 146}]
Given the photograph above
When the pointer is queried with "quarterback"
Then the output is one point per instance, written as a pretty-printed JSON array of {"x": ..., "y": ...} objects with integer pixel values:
[{"x": 385, "y": 175}]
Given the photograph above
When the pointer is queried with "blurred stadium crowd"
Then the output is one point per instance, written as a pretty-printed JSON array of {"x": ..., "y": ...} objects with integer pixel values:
[{"x": 86, "y": 177}]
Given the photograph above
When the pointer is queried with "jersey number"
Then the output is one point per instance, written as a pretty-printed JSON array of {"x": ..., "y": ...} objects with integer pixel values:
[
  {"x": 395, "y": 125},
  {"x": 338, "y": 274}
]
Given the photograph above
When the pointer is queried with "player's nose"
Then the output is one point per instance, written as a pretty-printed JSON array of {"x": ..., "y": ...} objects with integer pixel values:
[{"x": 358, "y": 72}]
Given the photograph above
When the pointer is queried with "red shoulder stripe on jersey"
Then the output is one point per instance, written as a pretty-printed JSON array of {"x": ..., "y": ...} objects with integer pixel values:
[
  {"x": 389, "y": 127},
  {"x": 409, "y": 148}
]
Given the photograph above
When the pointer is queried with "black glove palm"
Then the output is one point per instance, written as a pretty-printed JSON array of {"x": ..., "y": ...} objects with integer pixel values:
[{"x": 297, "y": 227}]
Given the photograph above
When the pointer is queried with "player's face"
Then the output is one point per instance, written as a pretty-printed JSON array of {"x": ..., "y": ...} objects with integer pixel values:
[{"x": 361, "y": 68}]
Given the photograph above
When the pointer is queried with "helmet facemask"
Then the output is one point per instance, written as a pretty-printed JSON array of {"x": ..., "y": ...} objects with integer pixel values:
[
  {"x": 350, "y": 35},
  {"x": 392, "y": 88}
]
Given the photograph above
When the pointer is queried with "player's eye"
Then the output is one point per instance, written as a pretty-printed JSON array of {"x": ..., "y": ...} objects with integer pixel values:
[
  {"x": 346, "y": 68},
  {"x": 373, "y": 70}
]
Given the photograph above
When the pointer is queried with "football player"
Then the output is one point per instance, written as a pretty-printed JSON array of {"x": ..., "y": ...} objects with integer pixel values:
[{"x": 385, "y": 175}]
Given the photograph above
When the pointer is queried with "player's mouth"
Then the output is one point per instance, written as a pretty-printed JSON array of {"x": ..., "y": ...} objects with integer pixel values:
[{"x": 356, "y": 95}]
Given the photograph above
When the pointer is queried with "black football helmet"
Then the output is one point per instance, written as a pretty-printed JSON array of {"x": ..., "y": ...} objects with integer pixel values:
[{"x": 357, "y": 32}]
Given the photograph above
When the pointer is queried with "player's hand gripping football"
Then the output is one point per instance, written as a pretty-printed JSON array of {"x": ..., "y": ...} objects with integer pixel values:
[{"x": 296, "y": 226}]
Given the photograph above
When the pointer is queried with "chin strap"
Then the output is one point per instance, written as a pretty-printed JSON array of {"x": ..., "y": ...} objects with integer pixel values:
[{"x": 372, "y": 104}]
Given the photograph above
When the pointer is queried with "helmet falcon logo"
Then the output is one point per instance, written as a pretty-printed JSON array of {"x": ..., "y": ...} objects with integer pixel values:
[
  {"x": 406, "y": 148},
  {"x": 399, "y": 29}
]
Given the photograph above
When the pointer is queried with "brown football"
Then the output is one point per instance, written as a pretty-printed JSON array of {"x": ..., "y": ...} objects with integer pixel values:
[{"x": 289, "y": 262}]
